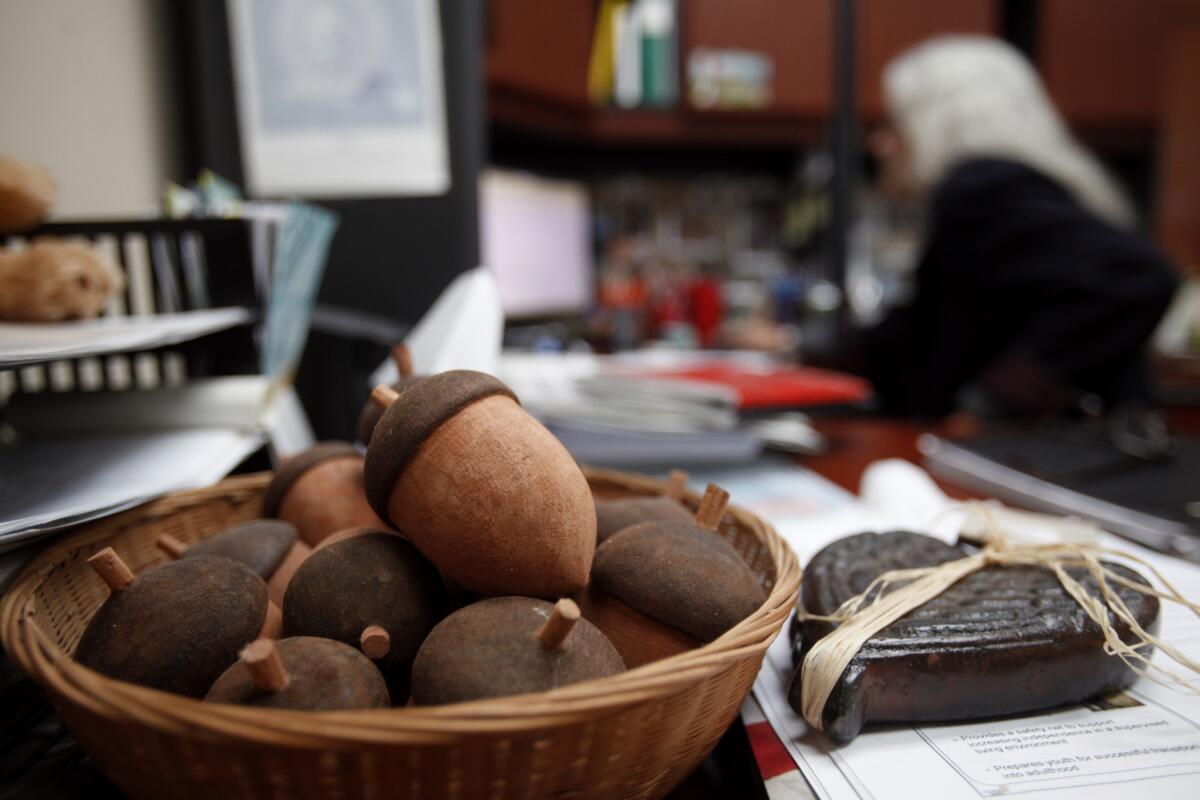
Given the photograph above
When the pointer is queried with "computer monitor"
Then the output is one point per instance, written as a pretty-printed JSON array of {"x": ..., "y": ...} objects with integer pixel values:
[{"x": 536, "y": 237}]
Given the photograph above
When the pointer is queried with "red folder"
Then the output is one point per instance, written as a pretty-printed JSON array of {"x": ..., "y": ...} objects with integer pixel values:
[{"x": 784, "y": 387}]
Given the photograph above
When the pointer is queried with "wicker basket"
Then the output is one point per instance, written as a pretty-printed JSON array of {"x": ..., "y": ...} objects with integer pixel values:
[{"x": 633, "y": 735}]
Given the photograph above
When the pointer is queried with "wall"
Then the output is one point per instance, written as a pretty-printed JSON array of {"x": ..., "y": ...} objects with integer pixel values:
[{"x": 84, "y": 88}]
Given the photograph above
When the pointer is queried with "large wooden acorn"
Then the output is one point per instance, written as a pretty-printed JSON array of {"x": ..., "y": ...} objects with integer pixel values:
[
  {"x": 617, "y": 515},
  {"x": 320, "y": 491},
  {"x": 374, "y": 591},
  {"x": 482, "y": 488},
  {"x": 368, "y": 418},
  {"x": 509, "y": 645},
  {"x": 177, "y": 626},
  {"x": 303, "y": 673},
  {"x": 270, "y": 547},
  {"x": 661, "y": 588}
]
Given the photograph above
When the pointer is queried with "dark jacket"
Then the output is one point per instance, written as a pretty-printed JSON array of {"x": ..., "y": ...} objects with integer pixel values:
[{"x": 1022, "y": 296}]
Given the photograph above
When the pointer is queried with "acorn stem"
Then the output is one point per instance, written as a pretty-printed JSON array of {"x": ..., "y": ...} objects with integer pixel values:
[
  {"x": 111, "y": 569},
  {"x": 402, "y": 356},
  {"x": 266, "y": 668},
  {"x": 562, "y": 620},
  {"x": 382, "y": 396},
  {"x": 170, "y": 545},
  {"x": 712, "y": 507},
  {"x": 375, "y": 642},
  {"x": 676, "y": 484}
]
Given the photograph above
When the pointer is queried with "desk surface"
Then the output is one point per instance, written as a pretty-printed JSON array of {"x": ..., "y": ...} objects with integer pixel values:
[{"x": 855, "y": 442}]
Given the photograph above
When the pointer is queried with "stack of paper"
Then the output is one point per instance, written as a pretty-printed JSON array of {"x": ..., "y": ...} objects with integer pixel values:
[{"x": 34, "y": 343}]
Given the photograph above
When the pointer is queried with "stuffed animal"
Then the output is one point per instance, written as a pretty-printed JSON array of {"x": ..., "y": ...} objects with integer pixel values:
[
  {"x": 26, "y": 195},
  {"x": 55, "y": 280}
]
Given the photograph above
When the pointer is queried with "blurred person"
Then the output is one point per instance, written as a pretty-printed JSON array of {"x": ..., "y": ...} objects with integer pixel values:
[{"x": 1033, "y": 288}]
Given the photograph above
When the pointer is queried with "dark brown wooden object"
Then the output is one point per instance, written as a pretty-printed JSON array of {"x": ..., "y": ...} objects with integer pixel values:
[
  {"x": 1004, "y": 640},
  {"x": 368, "y": 418},
  {"x": 303, "y": 673},
  {"x": 661, "y": 588},
  {"x": 617, "y": 515},
  {"x": 177, "y": 626},
  {"x": 508, "y": 646},
  {"x": 320, "y": 491},
  {"x": 481, "y": 487},
  {"x": 270, "y": 547},
  {"x": 375, "y": 592}
]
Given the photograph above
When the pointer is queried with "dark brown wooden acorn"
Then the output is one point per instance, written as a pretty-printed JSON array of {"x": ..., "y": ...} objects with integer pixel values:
[
  {"x": 661, "y": 588},
  {"x": 481, "y": 487},
  {"x": 368, "y": 418},
  {"x": 177, "y": 626},
  {"x": 320, "y": 491},
  {"x": 375, "y": 592},
  {"x": 617, "y": 515},
  {"x": 509, "y": 645},
  {"x": 270, "y": 547},
  {"x": 303, "y": 673}
]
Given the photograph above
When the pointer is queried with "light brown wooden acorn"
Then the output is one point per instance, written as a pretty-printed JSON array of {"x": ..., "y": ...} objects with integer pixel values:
[
  {"x": 481, "y": 487},
  {"x": 509, "y": 645},
  {"x": 374, "y": 591},
  {"x": 616, "y": 515},
  {"x": 175, "y": 627},
  {"x": 270, "y": 547},
  {"x": 368, "y": 418},
  {"x": 320, "y": 491},
  {"x": 661, "y": 588},
  {"x": 303, "y": 673}
]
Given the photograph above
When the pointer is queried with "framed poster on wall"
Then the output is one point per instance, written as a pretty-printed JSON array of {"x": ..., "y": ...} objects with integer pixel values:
[{"x": 340, "y": 98}]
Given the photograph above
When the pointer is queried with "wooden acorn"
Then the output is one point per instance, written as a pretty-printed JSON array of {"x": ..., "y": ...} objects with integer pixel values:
[
  {"x": 509, "y": 645},
  {"x": 616, "y": 515},
  {"x": 375, "y": 592},
  {"x": 368, "y": 418},
  {"x": 662, "y": 588},
  {"x": 177, "y": 626},
  {"x": 320, "y": 491},
  {"x": 302, "y": 673},
  {"x": 270, "y": 547},
  {"x": 482, "y": 488}
]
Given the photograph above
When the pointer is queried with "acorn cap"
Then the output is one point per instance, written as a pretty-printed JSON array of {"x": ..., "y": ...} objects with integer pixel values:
[
  {"x": 303, "y": 673},
  {"x": 177, "y": 626},
  {"x": 680, "y": 574},
  {"x": 370, "y": 415},
  {"x": 297, "y": 465},
  {"x": 509, "y": 645},
  {"x": 409, "y": 421},
  {"x": 260, "y": 544},
  {"x": 616, "y": 515},
  {"x": 376, "y": 579}
]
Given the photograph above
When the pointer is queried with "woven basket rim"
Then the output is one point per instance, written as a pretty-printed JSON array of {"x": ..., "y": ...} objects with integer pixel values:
[{"x": 40, "y": 657}]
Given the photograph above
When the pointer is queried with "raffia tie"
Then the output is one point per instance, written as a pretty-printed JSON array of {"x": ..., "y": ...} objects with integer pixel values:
[{"x": 864, "y": 615}]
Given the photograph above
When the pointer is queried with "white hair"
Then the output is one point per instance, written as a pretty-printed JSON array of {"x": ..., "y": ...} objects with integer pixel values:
[{"x": 954, "y": 98}]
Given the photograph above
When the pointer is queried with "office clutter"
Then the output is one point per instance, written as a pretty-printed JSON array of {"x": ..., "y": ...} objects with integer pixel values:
[{"x": 194, "y": 355}]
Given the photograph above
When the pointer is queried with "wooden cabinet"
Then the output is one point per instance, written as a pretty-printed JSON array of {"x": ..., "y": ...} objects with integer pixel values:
[
  {"x": 887, "y": 28},
  {"x": 1103, "y": 60},
  {"x": 540, "y": 48}
]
